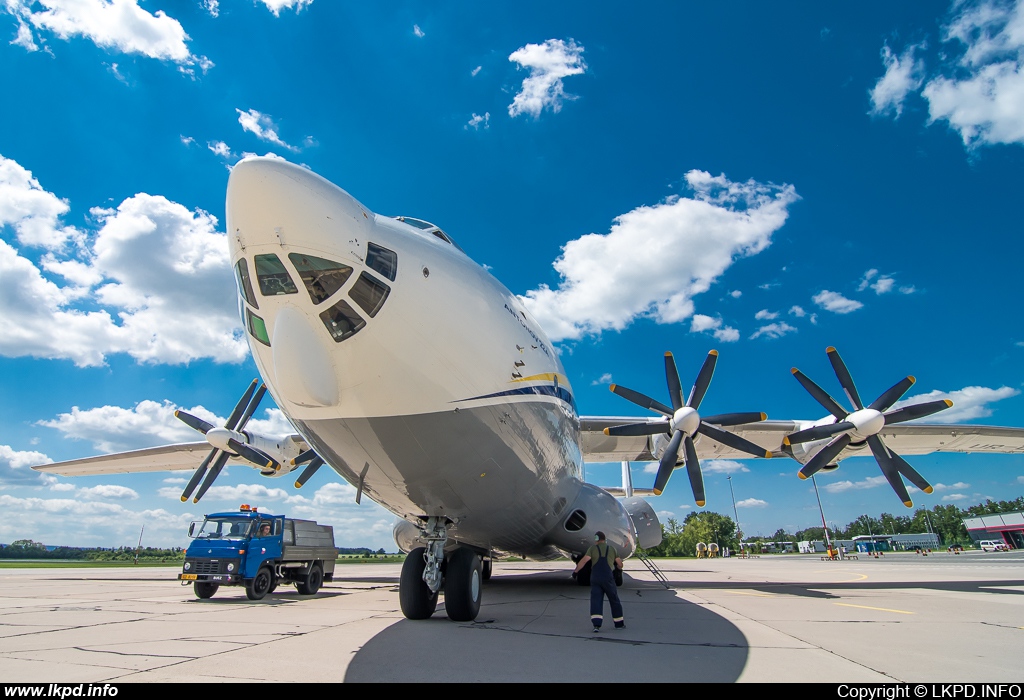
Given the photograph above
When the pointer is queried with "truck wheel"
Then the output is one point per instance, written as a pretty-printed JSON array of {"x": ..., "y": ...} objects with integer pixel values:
[
  {"x": 260, "y": 585},
  {"x": 311, "y": 583},
  {"x": 418, "y": 603},
  {"x": 205, "y": 590},
  {"x": 462, "y": 581}
]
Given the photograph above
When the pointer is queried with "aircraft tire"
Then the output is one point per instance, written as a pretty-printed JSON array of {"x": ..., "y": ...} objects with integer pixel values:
[
  {"x": 260, "y": 584},
  {"x": 462, "y": 585},
  {"x": 205, "y": 590},
  {"x": 417, "y": 601},
  {"x": 311, "y": 583}
]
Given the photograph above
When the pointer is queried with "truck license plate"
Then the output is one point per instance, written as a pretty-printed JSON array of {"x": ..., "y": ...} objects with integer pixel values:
[{"x": 187, "y": 577}]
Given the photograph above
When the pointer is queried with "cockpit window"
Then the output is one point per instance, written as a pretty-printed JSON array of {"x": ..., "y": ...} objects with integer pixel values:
[
  {"x": 342, "y": 321},
  {"x": 244, "y": 283},
  {"x": 369, "y": 293},
  {"x": 428, "y": 227},
  {"x": 257, "y": 328},
  {"x": 321, "y": 277},
  {"x": 273, "y": 277},
  {"x": 382, "y": 260}
]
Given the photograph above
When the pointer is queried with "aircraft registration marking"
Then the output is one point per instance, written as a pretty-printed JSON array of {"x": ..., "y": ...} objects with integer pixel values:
[{"x": 868, "y": 607}]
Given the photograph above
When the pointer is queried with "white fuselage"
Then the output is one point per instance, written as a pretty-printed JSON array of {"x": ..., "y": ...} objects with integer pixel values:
[{"x": 448, "y": 401}]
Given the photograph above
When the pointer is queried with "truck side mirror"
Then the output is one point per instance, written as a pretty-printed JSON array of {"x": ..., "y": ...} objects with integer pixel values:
[{"x": 191, "y": 528}]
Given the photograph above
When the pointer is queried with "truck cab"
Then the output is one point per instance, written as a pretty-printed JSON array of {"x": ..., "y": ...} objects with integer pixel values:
[{"x": 258, "y": 551}]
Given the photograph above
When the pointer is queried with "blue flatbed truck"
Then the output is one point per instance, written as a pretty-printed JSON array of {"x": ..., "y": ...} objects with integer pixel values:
[{"x": 258, "y": 551}]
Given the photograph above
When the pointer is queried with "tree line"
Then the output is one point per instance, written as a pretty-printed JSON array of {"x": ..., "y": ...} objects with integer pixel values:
[
  {"x": 29, "y": 549},
  {"x": 679, "y": 539}
]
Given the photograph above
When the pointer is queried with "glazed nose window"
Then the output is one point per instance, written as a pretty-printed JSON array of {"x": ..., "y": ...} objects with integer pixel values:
[
  {"x": 382, "y": 260},
  {"x": 342, "y": 321},
  {"x": 321, "y": 277},
  {"x": 369, "y": 294},
  {"x": 273, "y": 277},
  {"x": 244, "y": 283}
]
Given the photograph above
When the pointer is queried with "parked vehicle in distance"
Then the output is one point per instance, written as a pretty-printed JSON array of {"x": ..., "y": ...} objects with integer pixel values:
[
  {"x": 258, "y": 551},
  {"x": 993, "y": 546}
]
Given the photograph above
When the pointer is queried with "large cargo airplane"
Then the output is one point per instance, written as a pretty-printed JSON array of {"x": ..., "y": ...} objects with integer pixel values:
[{"x": 416, "y": 376}]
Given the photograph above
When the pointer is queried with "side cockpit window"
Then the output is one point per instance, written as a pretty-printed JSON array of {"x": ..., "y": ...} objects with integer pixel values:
[
  {"x": 369, "y": 293},
  {"x": 342, "y": 321},
  {"x": 244, "y": 283},
  {"x": 382, "y": 260},
  {"x": 273, "y": 277},
  {"x": 257, "y": 328},
  {"x": 321, "y": 277}
]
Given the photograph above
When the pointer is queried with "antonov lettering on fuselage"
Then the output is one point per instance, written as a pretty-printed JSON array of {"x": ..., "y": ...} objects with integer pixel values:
[{"x": 418, "y": 378}]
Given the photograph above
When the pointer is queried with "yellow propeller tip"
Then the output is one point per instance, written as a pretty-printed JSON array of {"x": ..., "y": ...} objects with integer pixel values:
[
  {"x": 801, "y": 475},
  {"x": 195, "y": 500},
  {"x": 949, "y": 404},
  {"x": 606, "y": 431},
  {"x": 175, "y": 413},
  {"x": 611, "y": 387},
  {"x": 764, "y": 416},
  {"x": 183, "y": 499},
  {"x": 668, "y": 354},
  {"x": 793, "y": 370},
  {"x": 657, "y": 492},
  {"x": 786, "y": 442},
  {"x": 700, "y": 504},
  {"x": 912, "y": 378},
  {"x": 767, "y": 454},
  {"x": 908, "y": 504},
  {"x": 929, "y": 489},
  {"x": 714, "y": 352},
  {"x": 298, "y": 485},
  {"x": 830, "y": 349}
]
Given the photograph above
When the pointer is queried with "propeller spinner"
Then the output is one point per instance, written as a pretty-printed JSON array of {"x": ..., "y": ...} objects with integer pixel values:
[
  {"x": 863, "y": 424},
  {"x": 224, "y": 443},
  {"x": 684, "y": 422}
]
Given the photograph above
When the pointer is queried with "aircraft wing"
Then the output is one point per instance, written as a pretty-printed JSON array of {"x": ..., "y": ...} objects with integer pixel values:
[
  {"x": 598, "y": 447},
  {"x": 184, "y": 455},
  {"x": 903, "y": 438}
]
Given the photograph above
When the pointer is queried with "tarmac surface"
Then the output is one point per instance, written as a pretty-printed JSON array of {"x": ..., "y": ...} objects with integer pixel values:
[{"x": 782, "y": 618}]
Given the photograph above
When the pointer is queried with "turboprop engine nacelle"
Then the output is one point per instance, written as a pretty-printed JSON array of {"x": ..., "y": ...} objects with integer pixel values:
[{"x": 645, "y": 522}]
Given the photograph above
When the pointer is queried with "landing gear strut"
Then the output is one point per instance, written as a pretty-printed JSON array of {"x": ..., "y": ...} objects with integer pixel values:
[{"x": 426, "y": 570}]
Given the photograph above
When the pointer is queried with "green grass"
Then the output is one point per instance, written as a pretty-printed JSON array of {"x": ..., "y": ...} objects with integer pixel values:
[{"x": 80, "y": 564}]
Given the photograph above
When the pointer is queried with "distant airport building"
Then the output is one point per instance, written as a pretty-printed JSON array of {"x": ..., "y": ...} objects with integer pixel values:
[
  {"x": 889, "y": 543},
  {"x": 1002, "y": 527}
]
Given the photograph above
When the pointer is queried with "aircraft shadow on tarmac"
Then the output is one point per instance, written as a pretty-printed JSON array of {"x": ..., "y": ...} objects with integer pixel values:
[
  {"x": 536, "y": 627},
  {"x": 836, "y": 590}
]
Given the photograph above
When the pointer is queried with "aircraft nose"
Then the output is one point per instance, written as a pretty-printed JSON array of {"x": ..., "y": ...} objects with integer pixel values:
[{"x": 273, "y": 201}]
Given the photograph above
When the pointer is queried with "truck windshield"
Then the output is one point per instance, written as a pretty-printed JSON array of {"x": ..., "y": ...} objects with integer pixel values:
[{"x": 226, "y": 528}]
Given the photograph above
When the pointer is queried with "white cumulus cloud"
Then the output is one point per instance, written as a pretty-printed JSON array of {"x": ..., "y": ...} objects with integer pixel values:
[
  {"x": 549, "y": 64},
  {"x": 479, "y": 121},
  {"x": 276, "y": 6},
  {"x": 657, "y": 258},
  {"x": 765, "y": 314},
  {"x": 773, "y": 330},
  {"x": 968, "y": 403},
  {"x": 722, "y": 466},
  {"x": 902, "y": 76},
  {"x": 723, "y": 333},
  {"x": 868, "y": 483},
  {"x": 751, "y": 503},
  {"x": 14, "y": 465},
  {"x": 835, "y": 302},
  {"x": 115, "y": 25},
  {"x": 262, "y": 126}
]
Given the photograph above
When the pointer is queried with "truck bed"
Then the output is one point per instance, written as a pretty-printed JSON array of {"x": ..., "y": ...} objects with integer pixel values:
[{"x": 305, "y": 540}]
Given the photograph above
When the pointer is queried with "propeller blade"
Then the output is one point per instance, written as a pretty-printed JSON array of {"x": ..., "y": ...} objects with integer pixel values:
[
  {"x": 251, "y": 408},
  {"x": 308, "y": 472},
  {"x": 211, "y": 476},
  {"x": 732, "y": 440},
  {"x": 253, "y": 455},
  {"x": 892, "y": 475},
  {"x": 693, "y": 471},
  {"x": 304, "y": 457},
  {"x": 908, "y": 471},
  {"x": 197, "y": 476},
  {"x": 818, "y": 432},
  {"x": 240, "y": 406},
  {"x": 668, "y": 463},
  {"x": 700, "y": 387},
  {"x": 883, "y": 402},
  {"x": 675, "y": 389},
  {"x": 824, "y": 456},
  {"x": 844, "y": 377},
  {"x": 918, "y": 410},
  {"x": 735, "y": 418},
  {"x": 193, "y": 422},
  {"x": 820, "y": 395},
  {"x": 641, "y": 400},
  {"x": 638, "y": 429}
]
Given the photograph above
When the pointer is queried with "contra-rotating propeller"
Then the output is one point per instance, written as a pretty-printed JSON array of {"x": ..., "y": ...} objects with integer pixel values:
[
  {"x": 863, "y": 423},
  {"x": 224, "y": 443},
  {"x": 684, "y": 423}
]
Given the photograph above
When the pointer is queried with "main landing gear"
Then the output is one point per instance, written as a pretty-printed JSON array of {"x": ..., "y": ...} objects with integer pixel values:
[{"x": 427, "y": 570}]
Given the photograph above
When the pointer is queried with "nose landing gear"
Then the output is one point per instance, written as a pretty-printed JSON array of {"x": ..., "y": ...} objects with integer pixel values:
[{"x": 427, "y": 569}]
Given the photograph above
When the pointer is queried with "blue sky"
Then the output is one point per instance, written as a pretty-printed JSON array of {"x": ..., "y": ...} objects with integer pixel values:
[{"x": 763, "y": 180}]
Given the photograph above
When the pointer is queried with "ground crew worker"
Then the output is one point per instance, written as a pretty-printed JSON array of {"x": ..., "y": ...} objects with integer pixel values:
[{"x": 602, "y": 581}]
